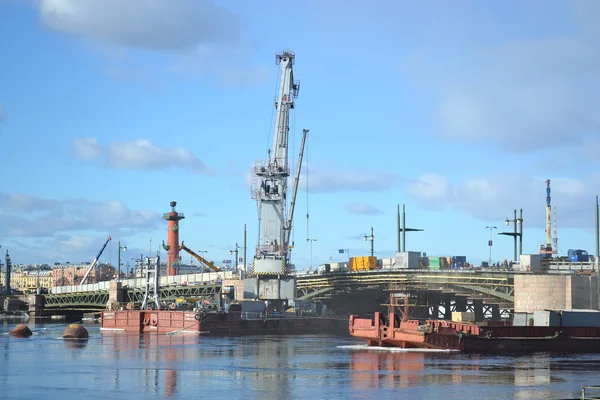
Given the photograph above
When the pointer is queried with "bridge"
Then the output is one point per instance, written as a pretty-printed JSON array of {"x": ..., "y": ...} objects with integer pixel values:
[
  {"x": 446, "y": 285},
  {"x": 496, "y": 286}
]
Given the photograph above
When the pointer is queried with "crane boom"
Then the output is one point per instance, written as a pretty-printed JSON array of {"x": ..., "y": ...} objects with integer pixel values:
[
  {"x": 93, "y": 264},
  {"x": 288, "y": 229},
  {"x": 203, "y": 261}
]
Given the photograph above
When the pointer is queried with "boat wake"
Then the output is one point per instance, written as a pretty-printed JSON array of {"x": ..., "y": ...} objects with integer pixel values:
[{"x": 395, "y": 349}]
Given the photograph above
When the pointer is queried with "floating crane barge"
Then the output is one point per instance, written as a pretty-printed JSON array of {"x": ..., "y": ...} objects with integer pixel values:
[{"x": 270, "y": 280}]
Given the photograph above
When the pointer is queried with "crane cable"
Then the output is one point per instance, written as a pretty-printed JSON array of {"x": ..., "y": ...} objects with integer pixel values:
[
  {"x": 294, "y": 166},
  {"x": 307, "y": 214}
]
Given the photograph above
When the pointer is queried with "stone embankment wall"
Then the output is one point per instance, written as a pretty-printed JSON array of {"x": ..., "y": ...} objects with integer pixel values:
[{"x": 555, "y": 292}]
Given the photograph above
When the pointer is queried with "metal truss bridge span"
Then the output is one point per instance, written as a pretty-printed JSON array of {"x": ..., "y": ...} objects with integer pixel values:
[
  {"x": 493, "y": 287},
  {"x": 496, "y": 287},
  {"x": 98, "y": 300}
]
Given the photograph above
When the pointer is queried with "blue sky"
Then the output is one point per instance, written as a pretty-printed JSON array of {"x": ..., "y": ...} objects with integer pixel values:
[{"x": 460, "y": 110}]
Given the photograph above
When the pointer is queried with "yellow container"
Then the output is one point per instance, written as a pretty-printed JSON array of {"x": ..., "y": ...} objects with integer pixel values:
[{"x": 363, "y": 263}]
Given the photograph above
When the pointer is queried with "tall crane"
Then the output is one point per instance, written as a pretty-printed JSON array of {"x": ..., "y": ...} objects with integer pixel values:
[
  {"x": 546, "y": 249},
  {"x": 93, "y": 264},
  {"x": 272, "y": 250}
]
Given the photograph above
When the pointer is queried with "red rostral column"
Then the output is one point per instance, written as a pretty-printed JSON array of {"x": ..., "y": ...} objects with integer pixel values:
[{"x": 173, "y": 238}]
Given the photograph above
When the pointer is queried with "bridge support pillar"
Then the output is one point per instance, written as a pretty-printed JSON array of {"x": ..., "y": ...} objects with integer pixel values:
[
  {"x": 36, "y": 305},
  {"x": 434, "y": 312},
  {"x": 435, "y": 300},
  {"x": 495, "y": 309},
  {"x": 115, "y": 294},
  {"x": 478, "y": 310},
  {"x": 448, "y": 308},
  {"x": 422, "y": 302},
  {"x": 460, "y": 304}
]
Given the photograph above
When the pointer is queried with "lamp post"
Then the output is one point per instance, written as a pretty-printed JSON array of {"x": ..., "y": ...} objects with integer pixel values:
[
  {"x": 124, "y": 248},
  {"x": 202, "y": 252},
  {"x": 311, "y": 258},
  {"x": 516, "y": 222},
  {"x": 236, "y": 256},
  {"x": 490, "y": 243},
  {"x": 371, "y": 238}
]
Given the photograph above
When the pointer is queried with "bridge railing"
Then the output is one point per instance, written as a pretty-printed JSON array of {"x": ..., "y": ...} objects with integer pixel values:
[{"x": 188, "y": 279}]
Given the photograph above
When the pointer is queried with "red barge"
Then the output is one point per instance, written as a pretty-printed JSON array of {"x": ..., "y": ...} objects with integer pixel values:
[
  {"x": 217, "y": 323},
  {"x": 473, "y": 338}
]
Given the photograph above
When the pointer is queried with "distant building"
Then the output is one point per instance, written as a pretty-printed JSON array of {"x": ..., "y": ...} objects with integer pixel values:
[
  {"x": 72, "y": 274},
  {"x": 27, "y": 279}
]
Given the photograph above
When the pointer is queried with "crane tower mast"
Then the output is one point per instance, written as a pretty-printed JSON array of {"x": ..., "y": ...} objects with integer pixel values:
[
  {"x": 548, "y": 217},
  {"x": 272, "y": 250},
  {"x": 548, "y": 248}
]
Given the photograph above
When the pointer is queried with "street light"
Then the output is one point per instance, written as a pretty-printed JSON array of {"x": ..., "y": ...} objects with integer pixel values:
[
  {"x": 311, "y": 258},
  {"x": 516, "y": 221},
  {"x": 124, "y": 248},
  {"x": 490, "y": 243},
  {"x": 371, "y": 238},
  {"x": 236, "y": 256}
]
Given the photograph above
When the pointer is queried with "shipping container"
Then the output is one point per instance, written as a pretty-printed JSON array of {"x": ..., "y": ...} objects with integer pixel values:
[
  {"x": 461, "y": 316},
  {"x": 586, "y": 318},
  {"x": 546, "y": 318},
  {"x": 408, "y": 259},
  {"x": 363, "y": 263},
  {"x": 434, "y": 262},
  {"x": 530, "y": 262},
  {"x": 523, "y": 319}
]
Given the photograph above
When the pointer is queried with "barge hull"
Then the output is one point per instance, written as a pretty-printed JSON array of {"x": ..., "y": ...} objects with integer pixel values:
[
  {"x": 471, "y": 338},
  {"x": 218, "y": 324}
]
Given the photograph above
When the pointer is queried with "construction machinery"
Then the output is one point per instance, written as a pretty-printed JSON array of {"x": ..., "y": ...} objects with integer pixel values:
[
  {"x": 205, "y": 263},
  {"x": 546, "y": 250},
  {"x": 273, "y": 248},
  {"x": 93, "y": 264}
]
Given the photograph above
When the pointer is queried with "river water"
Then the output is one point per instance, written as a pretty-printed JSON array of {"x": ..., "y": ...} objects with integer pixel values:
[{"x": 114, "y": 365}]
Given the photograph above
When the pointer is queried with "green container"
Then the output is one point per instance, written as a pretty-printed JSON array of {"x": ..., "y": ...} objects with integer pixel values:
[{"x": 434, "y": 262}]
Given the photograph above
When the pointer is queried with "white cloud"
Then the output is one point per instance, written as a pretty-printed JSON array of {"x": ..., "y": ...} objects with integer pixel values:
[
  {"x": 362, "y": 208},
  {"x": 138, "y": 155},
  {"x": 494, "y": 198},
  {"x": 529, "y": 95},
  {"x": 76, "y": 244},
  {"x": 523, "y": 94},
  {"x": 329, "y": 180},
  {"x": 29, "y": 216},
  {"x": 151, "y": 24},
  {"x": 324, "y": 180},
  {"x": 25, "y": 203}
]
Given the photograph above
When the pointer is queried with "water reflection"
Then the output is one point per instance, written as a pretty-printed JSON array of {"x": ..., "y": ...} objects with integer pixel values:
[
  {"x": 165, "y": 352},
  {"x": 394, "y": 369},
  {"x": 75, "y": 343},
  {"x": 120, "y": 365}
]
